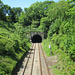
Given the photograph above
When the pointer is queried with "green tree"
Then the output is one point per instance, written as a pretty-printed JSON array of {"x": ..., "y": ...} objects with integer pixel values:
[
  {"x": 2, "y": 16},
  {"x": 15, "y": 13}
]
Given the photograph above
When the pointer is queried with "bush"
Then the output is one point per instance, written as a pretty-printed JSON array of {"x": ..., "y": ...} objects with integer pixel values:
[
  {"x": 13, "y": 45},
  {"x": 65, "y": 65}
]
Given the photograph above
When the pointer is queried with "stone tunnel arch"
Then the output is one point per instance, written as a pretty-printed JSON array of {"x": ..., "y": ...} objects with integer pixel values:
[{"x": 36, "y": 38}]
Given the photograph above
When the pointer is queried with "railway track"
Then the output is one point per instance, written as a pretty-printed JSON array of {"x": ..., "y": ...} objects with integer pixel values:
[{"x": 35, "y": 62}]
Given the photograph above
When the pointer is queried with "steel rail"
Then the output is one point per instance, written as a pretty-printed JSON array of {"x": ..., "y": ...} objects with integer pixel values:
[
  {"x": 45, "y": 60},
  {"x": 40, "y": 59},
  {"x": 33, "y": 60},
  {"x": 27, "y": 60}
]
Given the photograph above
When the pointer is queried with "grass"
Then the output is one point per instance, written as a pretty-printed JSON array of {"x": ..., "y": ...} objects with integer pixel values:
[
  {"x": 46, "y": 44},
  {"x": 7, "y": 63},
  {"x": 65, "y": 65}
]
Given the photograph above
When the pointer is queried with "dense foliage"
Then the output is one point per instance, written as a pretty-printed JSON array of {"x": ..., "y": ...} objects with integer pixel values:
[
  {"x": 56, "y": 20},
  {"x": 13, "y": 40},
  {"x": 13, "y": 44}
]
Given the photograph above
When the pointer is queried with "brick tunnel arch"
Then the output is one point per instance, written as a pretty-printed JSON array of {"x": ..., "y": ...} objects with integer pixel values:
[{"x": 36, "y": 38}]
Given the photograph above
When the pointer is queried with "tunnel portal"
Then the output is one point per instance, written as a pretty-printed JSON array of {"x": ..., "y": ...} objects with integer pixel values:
[{"x": 36, "y": 39}]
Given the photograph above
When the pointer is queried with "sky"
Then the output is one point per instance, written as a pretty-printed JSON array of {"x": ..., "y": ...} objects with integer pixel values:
[{"x": 22, "y": 3}]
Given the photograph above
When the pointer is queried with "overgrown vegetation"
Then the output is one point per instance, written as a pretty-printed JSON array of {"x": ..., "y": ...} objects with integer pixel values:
[
  {"x": 56, "y": 20},
  {"x": 13, "y": 44},
  {"x": 61, "y": 35},
  {"x": 65, "y": 65},
  {"x": 13, "y": 40}
]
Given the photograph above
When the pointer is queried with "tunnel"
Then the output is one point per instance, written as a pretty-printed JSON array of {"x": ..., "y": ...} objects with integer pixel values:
[{"x": 36, "y": 39}]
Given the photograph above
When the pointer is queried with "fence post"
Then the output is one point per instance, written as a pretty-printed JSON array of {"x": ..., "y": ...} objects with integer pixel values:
[{"x": 50, "y": 49}]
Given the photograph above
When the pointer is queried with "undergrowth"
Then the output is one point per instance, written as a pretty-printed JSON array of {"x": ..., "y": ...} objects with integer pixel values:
[
  {"x": 65, "y": 65},
  {"x": 8, "y": 63},
  {"x": 13, "y": 45}
]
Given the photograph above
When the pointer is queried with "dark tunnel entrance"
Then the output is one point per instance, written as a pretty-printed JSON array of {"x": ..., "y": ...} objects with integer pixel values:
[{"x": 36, "y": 39}]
